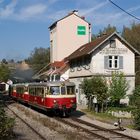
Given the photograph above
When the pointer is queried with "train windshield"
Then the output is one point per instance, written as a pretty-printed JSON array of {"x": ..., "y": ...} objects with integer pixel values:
[
  {"x": 70, "y": 90},
  {"x": 55, "y": 90}
]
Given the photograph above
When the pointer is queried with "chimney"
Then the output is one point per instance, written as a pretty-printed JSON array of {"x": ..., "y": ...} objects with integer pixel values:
[
  {"x": 75, "y": 12},
  {"x": 82, "y": 17}
]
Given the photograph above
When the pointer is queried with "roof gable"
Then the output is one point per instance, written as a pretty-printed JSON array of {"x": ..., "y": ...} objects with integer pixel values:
[
  {"x": 54, "y": 24},
  {"x": 92, "y": 46}
]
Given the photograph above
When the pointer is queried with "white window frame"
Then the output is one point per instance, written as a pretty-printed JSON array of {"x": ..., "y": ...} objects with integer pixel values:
[{"x": 112, "y": 61}]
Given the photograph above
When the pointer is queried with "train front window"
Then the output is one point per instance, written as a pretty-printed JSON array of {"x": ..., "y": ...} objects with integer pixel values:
[
  {"x": 70, "y": 90},
  {"x": 55, "y": 90},
  {"x": 63, "y": 91}
]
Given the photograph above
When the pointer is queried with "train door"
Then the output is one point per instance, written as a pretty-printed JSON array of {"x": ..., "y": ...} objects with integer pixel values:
[
  {"x": 31, "y": 94},
  {"x": 46, "y": 92},
  {"x": 40, "y": 95},
  {"x": 26, "y": 93}
]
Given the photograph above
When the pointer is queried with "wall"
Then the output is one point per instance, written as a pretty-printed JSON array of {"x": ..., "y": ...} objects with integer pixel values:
[
  {"x": 121, "y": 50},
  {"x": 97, "y": 67},
  {"x": 66, "y": 38},
  {"x": 53, "y": 44}
]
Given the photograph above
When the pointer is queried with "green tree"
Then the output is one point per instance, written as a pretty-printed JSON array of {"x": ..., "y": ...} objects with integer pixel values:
[
  {"x": 4, "y": 72},
  {"x": 4, "y": 61},
  {"x": 39, "y": 57},
  {"x": 132, "y": 35},
  {"x": 135, "y": 102},
  {"x": 118, "y": 88},
  {"x": 107, "y": 30},
  {"x": 95, "y": 87},
  {"x": 87, "y": 89}
]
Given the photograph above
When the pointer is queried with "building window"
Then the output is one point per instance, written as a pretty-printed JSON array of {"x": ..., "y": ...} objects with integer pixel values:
[
  {"x": 112, "y": 43},
  {"x": 86, "y": 62},
  {"x": 113, "y": 62},
  {"x": 57, "y": 77}
]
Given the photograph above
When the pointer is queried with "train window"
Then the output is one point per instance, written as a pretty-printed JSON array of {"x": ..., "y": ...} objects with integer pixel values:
[
  {"x": 40, "y": 91},
  {"x": 70, "y": 90},
  {"x": 20, "y": 90},
  {"x": 46, "y": 89},
  {"x": 26, "y": 89},
  {"x": 55, "y": 90},
  {"x": 63, "y": 91},
  {"x": 14, "y": 88},
  {"x": 32, "y": 91}
]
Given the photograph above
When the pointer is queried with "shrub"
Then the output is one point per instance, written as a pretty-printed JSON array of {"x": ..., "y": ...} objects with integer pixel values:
[
  {"x": 135, "y": 102},
  {"x": 6, "y": 125}
]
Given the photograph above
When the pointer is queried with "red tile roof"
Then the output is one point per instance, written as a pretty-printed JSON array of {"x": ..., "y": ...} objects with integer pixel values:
[
  {"x": 87, "y": 48},
  {"x": 90, "y": 47},
  {"x": 63, "y": 66},
  {"x": 57, "y": 64}
]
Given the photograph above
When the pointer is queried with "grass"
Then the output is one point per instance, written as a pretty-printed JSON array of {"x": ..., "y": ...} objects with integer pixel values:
[
  {"x": 127, "y": 109},
  {"x": 99, "y": 116},
  {"x": 108, "y": 118}
]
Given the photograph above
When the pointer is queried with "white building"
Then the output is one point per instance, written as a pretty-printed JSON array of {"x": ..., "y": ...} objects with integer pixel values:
[
  {"x": 103, "y": 56},
  {"x": 67, "y": 35},
  {"x": 74, "y": 57}
]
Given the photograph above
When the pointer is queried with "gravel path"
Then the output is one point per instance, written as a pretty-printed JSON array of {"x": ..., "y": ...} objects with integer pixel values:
[
  {"x": 48, "y": 127},
  {"x": 23, "y": 132}
]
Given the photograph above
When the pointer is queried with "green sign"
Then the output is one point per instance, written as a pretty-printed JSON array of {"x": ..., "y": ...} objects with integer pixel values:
[{"x": 81, "y": 30}]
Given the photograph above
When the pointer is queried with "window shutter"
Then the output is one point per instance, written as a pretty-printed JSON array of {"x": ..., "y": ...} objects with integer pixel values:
[
  {"x": 105, "y": 62},
  {"x": 121, "y": 62}
]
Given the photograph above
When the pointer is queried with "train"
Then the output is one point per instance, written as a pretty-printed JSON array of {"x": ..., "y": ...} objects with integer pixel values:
[
  {"x": 4, "y": 87},
  {"x": 58, "y": 97}
]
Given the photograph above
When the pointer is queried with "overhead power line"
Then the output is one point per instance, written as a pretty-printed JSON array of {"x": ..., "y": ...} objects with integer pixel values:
[{"x": 124, "y": 10}]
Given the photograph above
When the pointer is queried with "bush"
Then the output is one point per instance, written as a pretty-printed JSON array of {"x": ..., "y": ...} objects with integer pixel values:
[
  {"x": 135, "y": 102},
  {"x": 137, "y": 118},
  {"x": 118, "y": 88},
  {"x": 6, "y": 125},
  {"x": 96, "y": 88}
]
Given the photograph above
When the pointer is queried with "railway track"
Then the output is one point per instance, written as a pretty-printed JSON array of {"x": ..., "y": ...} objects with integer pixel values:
[
  {"x": 7, "y": 101},
  {"x": 27, "y": 124},
  {"x": 94, "y": 130}
]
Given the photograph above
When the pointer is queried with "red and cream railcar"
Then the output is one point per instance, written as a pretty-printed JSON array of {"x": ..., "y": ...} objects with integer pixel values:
[
  {"x": 54, "y": 96},
  {"x": 13, "y": 93},
  {"x": 22, "y": 93}
]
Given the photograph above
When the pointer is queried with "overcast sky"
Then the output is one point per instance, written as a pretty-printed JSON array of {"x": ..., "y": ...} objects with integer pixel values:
[{"x": 24, "y": 23}]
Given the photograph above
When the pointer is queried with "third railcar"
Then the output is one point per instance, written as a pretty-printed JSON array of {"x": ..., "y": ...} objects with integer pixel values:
[{"x": 50, "y": 96}]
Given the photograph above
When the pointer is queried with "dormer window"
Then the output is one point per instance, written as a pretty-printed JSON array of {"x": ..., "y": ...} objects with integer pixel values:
[{"x": 112, "y": 43}]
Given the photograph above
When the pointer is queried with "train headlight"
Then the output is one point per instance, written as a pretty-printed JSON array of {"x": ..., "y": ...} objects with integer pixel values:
[
  {"x": 71, "y": 101},
  {"x": 54, "y": 101}
]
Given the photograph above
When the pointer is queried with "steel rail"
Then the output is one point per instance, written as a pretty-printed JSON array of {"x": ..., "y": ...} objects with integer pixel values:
[
  {"x": 35, "y": 131},
  {"x": 101, "y": 128},
  {"x": 81, "y": 128}
]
